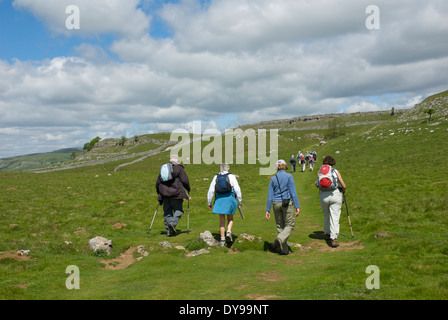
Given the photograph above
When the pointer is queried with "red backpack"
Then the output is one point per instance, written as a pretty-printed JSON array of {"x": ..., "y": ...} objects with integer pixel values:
[{"x": 327, "y": 179}]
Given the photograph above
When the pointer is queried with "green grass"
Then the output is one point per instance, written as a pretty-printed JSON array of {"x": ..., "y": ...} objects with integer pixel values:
[{"x": 397, "y": 198}]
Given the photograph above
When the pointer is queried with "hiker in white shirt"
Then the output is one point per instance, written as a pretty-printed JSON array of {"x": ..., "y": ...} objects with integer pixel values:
[{"x": 225, "y": 190}]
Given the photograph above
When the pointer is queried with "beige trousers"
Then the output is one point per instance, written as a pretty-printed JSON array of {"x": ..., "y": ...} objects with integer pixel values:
[
  {"x": 284, "y": 218},
  {"x": 331, "y": 203}
]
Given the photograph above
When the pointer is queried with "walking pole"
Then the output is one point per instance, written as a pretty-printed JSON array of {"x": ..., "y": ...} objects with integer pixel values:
[
  {"x": 240, "y": 209},
  {"x": 188, "y": 215},
  {"x": 349, "y": 222},
  {"x": 153, "y": 219}
]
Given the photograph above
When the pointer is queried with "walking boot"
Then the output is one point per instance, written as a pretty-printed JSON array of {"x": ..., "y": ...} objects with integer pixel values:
[{"x": 334, "y": 243}]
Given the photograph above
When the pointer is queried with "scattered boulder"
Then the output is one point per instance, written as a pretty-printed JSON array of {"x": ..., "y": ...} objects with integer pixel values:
[
  {"x": 99, "y": 243},
  {"x": 248, "y": 237},
  {"x": 141, "y": 251},
  {"x": 295, "y": 245},
  {"x": 23, "y": 252},
  {"x": 197, "y": 253},
  {"x": 208, "y": 238},
  {"x": 165, "y": 244}
]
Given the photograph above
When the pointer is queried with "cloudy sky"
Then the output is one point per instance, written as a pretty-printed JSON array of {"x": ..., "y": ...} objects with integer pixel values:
[{"x": 141, "y": 66}]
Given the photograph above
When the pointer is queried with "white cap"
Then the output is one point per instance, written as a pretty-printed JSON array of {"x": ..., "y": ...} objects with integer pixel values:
[
  {"x": 174, "y": 159},
  {"x": 281, "y": 161}
]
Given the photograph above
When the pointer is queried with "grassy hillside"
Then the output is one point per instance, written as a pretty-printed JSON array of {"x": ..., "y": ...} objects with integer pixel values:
[
  {"x": 37, "y": 160},
  {"x": 396, "y": 195}
]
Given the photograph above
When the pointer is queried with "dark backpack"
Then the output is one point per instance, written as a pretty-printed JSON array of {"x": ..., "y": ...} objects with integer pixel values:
[
  {"x": 166, "y": 172},
  {"x": 223, "y": 183}
]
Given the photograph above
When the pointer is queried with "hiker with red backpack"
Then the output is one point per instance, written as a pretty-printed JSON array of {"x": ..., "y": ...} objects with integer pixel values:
[
  {"x": 329, "y": 180},
  {"x": 311, "y": 162},
  {"x": 227, "y": 191},
  {"x": 303, "y": 162}
]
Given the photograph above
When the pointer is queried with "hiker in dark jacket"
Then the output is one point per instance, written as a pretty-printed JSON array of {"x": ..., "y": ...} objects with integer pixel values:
[
  {"x": 292, "y": 162},
  {"x": 172, "y": 194}
]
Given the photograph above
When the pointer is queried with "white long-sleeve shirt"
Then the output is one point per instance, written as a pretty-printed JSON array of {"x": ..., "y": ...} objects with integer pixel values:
[{"x": 233, "y": 182}]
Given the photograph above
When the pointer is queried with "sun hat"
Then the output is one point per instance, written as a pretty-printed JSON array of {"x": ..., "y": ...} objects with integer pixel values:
[{"x": 281, "y": 161}]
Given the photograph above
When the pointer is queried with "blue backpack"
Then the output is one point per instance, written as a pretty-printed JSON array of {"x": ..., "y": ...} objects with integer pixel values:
[
  {"x": 166, "y": 172},
  {"x": 223, "y": 183}
]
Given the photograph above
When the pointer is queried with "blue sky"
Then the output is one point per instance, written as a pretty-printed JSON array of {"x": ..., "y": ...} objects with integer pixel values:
[
  {"x": 142, "y": 66},
  {"x": 24, "y": 37}
]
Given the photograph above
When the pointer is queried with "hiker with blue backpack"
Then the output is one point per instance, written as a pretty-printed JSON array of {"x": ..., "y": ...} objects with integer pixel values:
[
  {"x": 330, "y": 184},
  {"x": 282, "y": 196},
  {"x": 227, "y": 191},
  {"x": 172, "y": 186}
]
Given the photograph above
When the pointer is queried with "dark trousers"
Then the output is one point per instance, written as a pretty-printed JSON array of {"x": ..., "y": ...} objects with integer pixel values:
[{"x": 172, "y": 212}]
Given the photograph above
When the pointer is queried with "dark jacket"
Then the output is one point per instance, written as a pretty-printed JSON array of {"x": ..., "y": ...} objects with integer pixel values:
[{"x": 175, "y": 188}]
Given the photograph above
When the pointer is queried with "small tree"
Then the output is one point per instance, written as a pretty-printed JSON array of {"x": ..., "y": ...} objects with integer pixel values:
[
  {"x": 336, "y": 128},
  {"x": 430, "y": 112},
  {"x": 89, "y": 145},
  {"x": 123, "y": 140}
]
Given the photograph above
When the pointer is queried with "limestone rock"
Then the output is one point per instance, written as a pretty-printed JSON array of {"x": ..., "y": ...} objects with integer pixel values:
[
  {"x": 98, "y": 243},
  {"x": 23, "y": 252},
  {"x": 166, "y": 244},
  {"x": 197, "y": 252},
  {"x": 207, "y": 237}
]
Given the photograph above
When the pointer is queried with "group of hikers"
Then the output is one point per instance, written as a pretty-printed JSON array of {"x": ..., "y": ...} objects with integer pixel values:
[
  {"x": 173, "y": 188},
  {"x": 303, "y": 160}
]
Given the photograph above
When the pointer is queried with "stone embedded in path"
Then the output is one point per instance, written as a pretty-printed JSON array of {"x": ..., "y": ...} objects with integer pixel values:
[
  {"x": 166, "y": 244},
  {"x": 99, "y": 243},
  {"x": 197, "y": 253},
  {"x": 23, "y": 252},
  {"x": 248, "y": 237},
  {"x": 141, "y": 250}
]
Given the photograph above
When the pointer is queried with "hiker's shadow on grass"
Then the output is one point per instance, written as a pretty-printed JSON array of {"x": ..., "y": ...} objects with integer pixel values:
[
  {"x": 269, "y": 246},
  {"x": 217, "y": 237},
  {"x": 178, "y": 232},
  {"x": 320, "y": 235}
]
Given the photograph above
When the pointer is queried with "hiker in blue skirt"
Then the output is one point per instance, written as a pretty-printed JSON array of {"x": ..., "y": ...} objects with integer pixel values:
[{"x": 225, "y": 187}]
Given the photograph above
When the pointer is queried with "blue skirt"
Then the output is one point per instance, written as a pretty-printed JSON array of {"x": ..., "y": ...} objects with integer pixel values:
[{"x": 225, "y": 203}]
